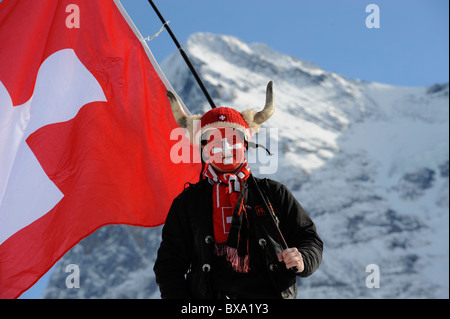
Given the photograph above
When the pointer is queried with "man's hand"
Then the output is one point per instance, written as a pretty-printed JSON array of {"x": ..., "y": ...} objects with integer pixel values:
[{"x": 292, "y": 258}]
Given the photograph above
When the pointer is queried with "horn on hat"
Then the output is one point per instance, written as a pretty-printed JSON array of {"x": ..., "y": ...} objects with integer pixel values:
[
  {"x": 189, "y": 122},
  {"x": 178, "y": 112},
  {"x": 262, "y": 116}
]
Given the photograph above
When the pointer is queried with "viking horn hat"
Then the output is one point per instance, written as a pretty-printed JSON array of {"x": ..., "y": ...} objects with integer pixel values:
[{"x": 249, "y": 121}]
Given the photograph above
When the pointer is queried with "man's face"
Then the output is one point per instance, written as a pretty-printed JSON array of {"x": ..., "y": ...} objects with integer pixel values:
[{"x": 224, "y": 149}]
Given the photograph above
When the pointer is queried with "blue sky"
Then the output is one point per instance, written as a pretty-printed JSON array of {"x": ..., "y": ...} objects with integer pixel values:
[{"x": 410, "y": 48}]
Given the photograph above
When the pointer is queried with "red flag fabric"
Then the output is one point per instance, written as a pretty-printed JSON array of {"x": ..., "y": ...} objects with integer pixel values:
[{"x": 84, "y": 132}]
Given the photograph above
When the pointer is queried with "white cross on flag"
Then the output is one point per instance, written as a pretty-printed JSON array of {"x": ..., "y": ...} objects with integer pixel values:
[{"x": 84, "y": 132}]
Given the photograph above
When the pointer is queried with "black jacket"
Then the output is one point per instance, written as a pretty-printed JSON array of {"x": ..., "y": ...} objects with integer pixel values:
[{"x": 185, "y": 265}]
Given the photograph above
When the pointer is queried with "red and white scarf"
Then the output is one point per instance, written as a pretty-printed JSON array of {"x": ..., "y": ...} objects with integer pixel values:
[{"x": 229, "y": 215}]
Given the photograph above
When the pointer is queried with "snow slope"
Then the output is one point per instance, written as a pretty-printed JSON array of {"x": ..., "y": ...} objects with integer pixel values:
[{"x": 368, "y": 161}]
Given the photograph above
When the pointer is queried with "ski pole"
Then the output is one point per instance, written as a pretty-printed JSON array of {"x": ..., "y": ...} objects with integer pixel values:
[{"x": 271, "y": 213}]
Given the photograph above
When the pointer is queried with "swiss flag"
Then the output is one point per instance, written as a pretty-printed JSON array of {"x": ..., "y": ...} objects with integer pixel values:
[{"x": 84, "y": 132}]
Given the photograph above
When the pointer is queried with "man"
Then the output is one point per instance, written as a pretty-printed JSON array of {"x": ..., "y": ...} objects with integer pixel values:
[{"x": 232, "y": 235}]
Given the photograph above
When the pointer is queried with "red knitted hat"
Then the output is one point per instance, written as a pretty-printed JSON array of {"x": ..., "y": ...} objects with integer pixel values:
[{"x": 223, "y": 117}]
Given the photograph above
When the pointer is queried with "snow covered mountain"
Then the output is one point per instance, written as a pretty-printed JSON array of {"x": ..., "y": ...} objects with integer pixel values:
[{"x": 368, "y": 161}]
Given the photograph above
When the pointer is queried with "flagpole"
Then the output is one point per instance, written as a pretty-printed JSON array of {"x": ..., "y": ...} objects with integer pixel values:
[{"x": 184, "y": 55}]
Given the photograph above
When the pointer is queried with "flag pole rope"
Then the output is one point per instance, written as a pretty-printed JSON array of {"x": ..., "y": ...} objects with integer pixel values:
[{"x": 184, "y": 55}]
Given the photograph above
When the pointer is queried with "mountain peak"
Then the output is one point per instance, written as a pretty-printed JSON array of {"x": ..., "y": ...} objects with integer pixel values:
[{"x": 207, "y": 47}]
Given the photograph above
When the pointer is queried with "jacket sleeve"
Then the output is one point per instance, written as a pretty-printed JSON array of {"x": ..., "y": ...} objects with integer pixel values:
[
  {"x": 173, "y": 262},
  {"x": 297, "y": 227}
]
